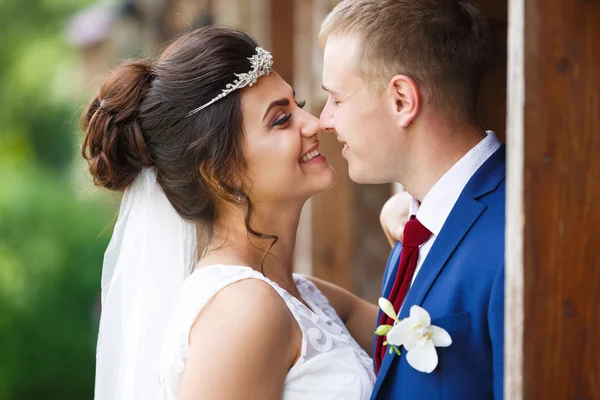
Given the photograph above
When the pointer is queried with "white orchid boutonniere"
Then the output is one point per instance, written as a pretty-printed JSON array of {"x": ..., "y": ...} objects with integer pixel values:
[{"x": 416, "y": 334}]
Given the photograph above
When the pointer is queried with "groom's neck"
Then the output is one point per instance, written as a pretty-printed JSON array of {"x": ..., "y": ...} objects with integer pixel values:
[{"x": 440, "y": 146}]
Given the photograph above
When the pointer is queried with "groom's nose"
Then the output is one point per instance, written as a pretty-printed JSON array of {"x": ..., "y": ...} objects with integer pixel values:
[{"x": 326, "y": 118}]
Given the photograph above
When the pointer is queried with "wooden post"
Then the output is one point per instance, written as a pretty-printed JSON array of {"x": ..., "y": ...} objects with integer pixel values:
[
  {"x": 514, "y": 319},
  {"x": 307, "y": 85},
  {"x": 227, "y": 12},
  {"x": 553, "y": 312},
  {"x": 492, "y": 94},
  {"x": 258, "y": 14},
  {"x": 282, "y": 38}
]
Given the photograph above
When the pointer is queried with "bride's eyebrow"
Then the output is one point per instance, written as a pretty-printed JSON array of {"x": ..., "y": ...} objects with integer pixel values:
[{"x": 280, "y": 102}]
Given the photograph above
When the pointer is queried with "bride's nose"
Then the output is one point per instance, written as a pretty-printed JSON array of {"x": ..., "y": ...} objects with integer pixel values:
[{"x": 310, "y": 126}]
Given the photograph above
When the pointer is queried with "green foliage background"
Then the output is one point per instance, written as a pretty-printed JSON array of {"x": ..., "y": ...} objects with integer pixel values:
[{"x": 52, "y": 233}]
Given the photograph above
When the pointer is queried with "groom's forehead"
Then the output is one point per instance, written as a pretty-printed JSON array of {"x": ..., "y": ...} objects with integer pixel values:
[
  {"x": 340, "y": 58},
  {"x": 342, "y": 49}
]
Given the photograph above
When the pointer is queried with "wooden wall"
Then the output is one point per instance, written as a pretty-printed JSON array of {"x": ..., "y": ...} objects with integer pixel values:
[{"x": 553, "y": 287}]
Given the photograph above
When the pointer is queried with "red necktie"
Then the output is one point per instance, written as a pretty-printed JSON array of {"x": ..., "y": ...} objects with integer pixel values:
[{"x": 415, "y": 234}]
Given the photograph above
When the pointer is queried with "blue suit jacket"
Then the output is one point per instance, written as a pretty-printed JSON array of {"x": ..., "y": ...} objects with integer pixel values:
[{"x": 461, "y": 285}]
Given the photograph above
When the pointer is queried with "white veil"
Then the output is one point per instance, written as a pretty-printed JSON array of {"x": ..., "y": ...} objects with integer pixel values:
[{"x": 151, "y": 252}]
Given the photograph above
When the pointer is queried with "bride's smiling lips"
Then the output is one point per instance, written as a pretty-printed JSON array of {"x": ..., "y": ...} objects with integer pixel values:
[{"x": 312, "y": 156}]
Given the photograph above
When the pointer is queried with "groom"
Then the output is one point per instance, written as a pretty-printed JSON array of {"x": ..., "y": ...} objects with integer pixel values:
[{"x": 403, "y": 78}]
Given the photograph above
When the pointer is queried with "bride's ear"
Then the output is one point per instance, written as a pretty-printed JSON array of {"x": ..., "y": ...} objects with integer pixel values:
[
  {"x": 407, "y": 99},
  {"x": 230, "y": 188}
]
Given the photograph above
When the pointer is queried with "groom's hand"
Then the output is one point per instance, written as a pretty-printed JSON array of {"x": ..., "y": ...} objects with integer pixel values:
[{"x": 394, "y": 216}]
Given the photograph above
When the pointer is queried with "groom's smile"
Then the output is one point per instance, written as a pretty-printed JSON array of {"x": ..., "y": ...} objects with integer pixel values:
[{"x": 346, "y": 148}]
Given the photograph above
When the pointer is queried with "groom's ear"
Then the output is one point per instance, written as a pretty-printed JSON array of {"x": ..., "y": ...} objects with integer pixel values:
[{"x": 407, "y": 99}]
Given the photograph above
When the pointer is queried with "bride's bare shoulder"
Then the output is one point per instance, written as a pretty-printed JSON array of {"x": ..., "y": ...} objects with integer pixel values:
[
  {"x": 246, "y": 331},
  {"x": 249, "y": 300}
]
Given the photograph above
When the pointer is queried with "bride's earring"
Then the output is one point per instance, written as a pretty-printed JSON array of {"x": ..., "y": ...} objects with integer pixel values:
[{"x": 238, "y": 196}]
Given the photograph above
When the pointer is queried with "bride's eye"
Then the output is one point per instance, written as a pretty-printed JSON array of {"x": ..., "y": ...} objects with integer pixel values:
[
  {"x": 286, "y": 118},
  {"x": 283, "y": 120}
]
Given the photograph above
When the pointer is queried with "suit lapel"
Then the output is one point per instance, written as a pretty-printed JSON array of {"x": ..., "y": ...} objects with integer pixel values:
[
  {"x": 388, "y": 282},
  {"x": 391, "y": 270},
  {"x": 456, "y": 227},
  {"x": 463, "y": 216},
  {"x": 386, "y": 363},
  {"x": 459, "y": 222}
]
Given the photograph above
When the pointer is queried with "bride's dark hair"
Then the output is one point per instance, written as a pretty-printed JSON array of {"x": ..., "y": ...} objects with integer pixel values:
[{"x": 138, "y": 120}]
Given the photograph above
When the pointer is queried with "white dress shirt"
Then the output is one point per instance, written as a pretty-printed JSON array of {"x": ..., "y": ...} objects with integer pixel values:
[{"x": 439, "y": 202}]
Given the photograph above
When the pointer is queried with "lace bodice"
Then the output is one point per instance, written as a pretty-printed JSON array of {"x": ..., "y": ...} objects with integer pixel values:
[{"x": 331, "y": 366}]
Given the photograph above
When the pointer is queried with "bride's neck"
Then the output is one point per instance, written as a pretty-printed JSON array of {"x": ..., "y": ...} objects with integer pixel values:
[{"x": 232, "y": 243}]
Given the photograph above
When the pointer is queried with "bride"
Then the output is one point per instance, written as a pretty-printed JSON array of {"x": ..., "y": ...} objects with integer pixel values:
[{"x": 209, "y": 136}]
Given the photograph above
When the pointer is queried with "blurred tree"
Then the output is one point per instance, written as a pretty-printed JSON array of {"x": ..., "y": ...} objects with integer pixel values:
[
  {"x": 52, "y": 237},
  {"x": 51, "y": 241},
  {"x": 49, "y": 278},
  {"x": 36, "y": 110}
]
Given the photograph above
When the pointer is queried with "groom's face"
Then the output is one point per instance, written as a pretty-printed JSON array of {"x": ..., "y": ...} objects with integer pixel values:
[{"x": 361, "y": 117}]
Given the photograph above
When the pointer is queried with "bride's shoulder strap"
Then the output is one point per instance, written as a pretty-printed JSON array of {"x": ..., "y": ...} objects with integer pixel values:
[
  {"x": 207, "y": 281},
  {"x": 203, "y": 285}
]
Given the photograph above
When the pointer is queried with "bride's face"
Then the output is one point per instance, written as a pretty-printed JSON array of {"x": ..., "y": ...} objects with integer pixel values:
[{"x": 281, "y": 144}]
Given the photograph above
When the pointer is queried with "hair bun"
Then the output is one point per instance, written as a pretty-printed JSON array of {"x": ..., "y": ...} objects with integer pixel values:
[{"x": 113, "y": 143}]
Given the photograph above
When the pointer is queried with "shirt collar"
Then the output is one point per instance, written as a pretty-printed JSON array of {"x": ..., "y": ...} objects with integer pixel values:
[{"x": 439, "y": 202}]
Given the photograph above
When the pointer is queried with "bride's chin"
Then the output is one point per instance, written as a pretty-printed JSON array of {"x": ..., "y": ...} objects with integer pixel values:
[{"x": 326, "y": 182}]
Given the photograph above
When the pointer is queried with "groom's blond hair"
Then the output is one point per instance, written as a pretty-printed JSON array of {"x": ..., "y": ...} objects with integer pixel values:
[{"x": 443, "y": 45}]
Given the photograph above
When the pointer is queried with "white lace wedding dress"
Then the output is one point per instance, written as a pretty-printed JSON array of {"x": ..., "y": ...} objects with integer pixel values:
[{"x": 332, "y": 366}]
